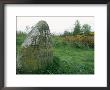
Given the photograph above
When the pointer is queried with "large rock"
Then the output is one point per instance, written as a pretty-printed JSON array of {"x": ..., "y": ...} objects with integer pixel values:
[{"x": 36, "y": 50}]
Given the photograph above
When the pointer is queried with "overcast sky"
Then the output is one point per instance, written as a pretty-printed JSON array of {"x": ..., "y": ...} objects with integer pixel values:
[{"x": 56, "y": 24}]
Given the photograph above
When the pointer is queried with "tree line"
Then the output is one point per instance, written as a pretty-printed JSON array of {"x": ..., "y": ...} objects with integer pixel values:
[{"x": 85, "y": 29}]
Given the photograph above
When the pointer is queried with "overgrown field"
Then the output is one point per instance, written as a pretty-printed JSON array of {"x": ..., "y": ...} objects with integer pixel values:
[{"x": 70, "y": 55}]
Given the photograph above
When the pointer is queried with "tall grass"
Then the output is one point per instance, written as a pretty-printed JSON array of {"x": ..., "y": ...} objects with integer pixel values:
[
  {"x": 68, "y": 58},
  {"x": 78, "y": 41}
]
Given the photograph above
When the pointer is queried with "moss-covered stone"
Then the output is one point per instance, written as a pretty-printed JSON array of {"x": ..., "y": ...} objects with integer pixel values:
[{"x": 36, "y": 51}]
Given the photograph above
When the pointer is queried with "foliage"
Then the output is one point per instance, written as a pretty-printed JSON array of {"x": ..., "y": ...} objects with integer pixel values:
[
  {"x": 80, "y": 41},
  {"x": 86, "y": 29},
  {"x": 75, "y": 60},
  {"x": 57, "y": 41},
  {"x": 67, "y": 33},
  {"x": 66, "y": 59},
  {"x": 19, "y": 39},
  {"x": 77, "y": 28},
  {"x": 73, "y": 52},
  {"x": 90, "y": 34}
]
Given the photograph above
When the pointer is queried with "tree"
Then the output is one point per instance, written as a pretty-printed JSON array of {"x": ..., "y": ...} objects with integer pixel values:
[
  {"x": 77, "y": 28},
  {"x": 66, "y": 33},
  {"x": 86, "y": 29}
]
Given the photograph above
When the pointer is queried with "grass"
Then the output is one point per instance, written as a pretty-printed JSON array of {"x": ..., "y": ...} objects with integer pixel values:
[
  {"x": 74, "y": 60},
  {"x": 19, "y": 40},
  {"x": 67, "y": 59}
]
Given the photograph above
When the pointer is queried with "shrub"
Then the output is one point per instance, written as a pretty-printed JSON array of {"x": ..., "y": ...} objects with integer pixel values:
[{"x": 80, "y": 41}]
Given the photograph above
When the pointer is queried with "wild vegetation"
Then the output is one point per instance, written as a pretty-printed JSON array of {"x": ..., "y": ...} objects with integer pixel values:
[{"x": 73, "y": 52}]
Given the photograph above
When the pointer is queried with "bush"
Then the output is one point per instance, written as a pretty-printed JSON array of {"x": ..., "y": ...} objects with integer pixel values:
[{"x": 80, "y": 41}]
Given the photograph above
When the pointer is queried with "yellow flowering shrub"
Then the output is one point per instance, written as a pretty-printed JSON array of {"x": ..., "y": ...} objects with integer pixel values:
[{"x": 80, "y": 40}]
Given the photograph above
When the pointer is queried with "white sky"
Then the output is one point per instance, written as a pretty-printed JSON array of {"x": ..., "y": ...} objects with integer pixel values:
[{"x": 56, "y": 24}]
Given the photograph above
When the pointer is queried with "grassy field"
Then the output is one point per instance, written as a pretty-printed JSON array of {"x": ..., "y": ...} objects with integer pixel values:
[{"x": 67, "y": 59}]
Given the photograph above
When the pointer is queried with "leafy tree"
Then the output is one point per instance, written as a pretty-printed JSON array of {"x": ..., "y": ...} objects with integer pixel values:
[
  {"x": 86, "y": 29},
  {"x": 66, "y": 33},
  {"x": 77, "y": 28}
]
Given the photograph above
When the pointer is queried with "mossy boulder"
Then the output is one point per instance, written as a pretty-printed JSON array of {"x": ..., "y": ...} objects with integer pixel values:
[{"x": 36, "y": 50}]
